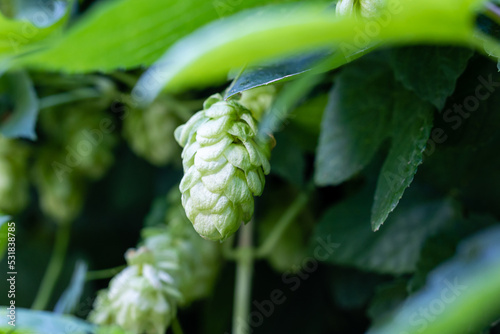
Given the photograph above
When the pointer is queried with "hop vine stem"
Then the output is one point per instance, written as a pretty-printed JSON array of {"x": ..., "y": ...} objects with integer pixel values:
[
  {"x": 243, "y": 286},
  {"x": 53, "y": 269}
]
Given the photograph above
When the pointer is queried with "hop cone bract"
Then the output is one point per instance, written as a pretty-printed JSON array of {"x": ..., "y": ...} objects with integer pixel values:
[{"x": 224, "y": 166}]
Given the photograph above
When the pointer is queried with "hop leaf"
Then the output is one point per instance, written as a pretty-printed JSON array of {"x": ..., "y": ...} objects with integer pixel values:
[
  {"x": 224, "y": 166},
  {"x": 13, "y": 180},
  {"x": 141, "y": 298},
  {"x": 149, "y": 132}
]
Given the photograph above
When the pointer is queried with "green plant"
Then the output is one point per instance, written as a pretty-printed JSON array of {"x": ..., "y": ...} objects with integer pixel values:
[{"x": 372, "y": 124}]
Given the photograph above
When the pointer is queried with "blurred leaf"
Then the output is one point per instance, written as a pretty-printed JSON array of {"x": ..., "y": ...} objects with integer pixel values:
[
  {"x": 71, "y": 296},
  {"x": 394, "y": 249},
  {"x": 276, "y": 71},
  {"x": 21, "y": 120},
  {"x": 3, "y": 234},
  {"x": 124, "y": 34},
  {"x": 461, "y": 295},
  {"x": 31, "y": 24},
  {"x": 42, "y": 322},
  {"x": 442, "y": 246},
  {"x": 412, "y": 123},
  {"x": 254, "y": 36},
  {"x": 287, "y": 160},
  {"x": 356, "y": 121},
  {"x": 430, "y": 71}
]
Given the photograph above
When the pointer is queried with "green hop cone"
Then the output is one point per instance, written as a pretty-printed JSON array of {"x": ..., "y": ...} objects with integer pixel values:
[
  {"x": 258, "y": 100},
  {"x": 13, "y": 180},
  {"x": 141, "y": 299},
  {"x": 149, "y": 132},
  {"x": 85, "y": 136},
  {"x": 61, "y": 195},
  {"x": 224, "y": 166}
]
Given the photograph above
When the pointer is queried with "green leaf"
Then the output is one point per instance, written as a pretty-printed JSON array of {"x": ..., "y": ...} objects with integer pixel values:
[
  {"x": 253, "y": 77},
  {"x": 21, "y": 121},
  {"x": 412, "y": 123},
  {"x": 18, "y": 36},
  {"x": 461, "y": 295},
  {"x": 3, "y": 234},
  {"x": 251, "y": 37},
  {"x": 356, "y": 121},
  {"x": 124, "y": 34},
  {"x": 71, "y": 296},
  {"x": 430, "y": 71},
  {"x": 288, "y": 161},
  {"x": 394, "y": 249},
  {"x": 41, "y": 322}
]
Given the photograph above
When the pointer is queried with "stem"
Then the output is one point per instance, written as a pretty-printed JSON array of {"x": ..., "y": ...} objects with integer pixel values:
[
  {"x": 75, "y": 95},
  {"x": 53, "y": 269},
  {"x": 176, "y": 326},
  {"x": 243, "y": 286},
  {"x": 288, "y": 217},
  {"x": 104, "y": 273}
]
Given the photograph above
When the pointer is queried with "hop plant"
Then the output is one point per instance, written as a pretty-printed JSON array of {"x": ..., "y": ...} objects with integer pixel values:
[
  {"x": 13, "y": 180},
  {"x": 149, "y": 132},
  {"x": 365, "y": 8},
  {"x": 224, "y": 166},
  {"x": 142, "y": 298}
]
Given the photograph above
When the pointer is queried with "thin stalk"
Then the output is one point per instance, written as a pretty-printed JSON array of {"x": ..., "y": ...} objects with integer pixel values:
[
  {"x": 53, "y": 269},
  {"x": 73, "y": 96},
  {"x": 280, "y": 227},
  {"x": 243, "y": 286},
  {"x": 104, "y": 273}
]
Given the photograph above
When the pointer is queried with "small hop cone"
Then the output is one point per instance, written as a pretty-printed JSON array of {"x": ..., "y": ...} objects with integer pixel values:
[
  {"x": 61, "y": 196},
  {"x": 224, "y": 167},
  {"x": 149, "y": 132},
  {"x": 365, "y": 8},
  {"x": 258, "y": 100},
  {"x": 141, "y": 298},
  {"x": 13, "y": 181}
]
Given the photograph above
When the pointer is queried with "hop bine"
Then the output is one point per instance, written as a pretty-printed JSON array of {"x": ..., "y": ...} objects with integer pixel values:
[{"x": 224, "y": 164}]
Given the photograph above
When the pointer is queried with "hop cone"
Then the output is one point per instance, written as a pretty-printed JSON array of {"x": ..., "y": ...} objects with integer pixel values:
[
  {"x": 365, "y": 8},
  {"x": 149, "y": 132},
  {"x": 224, "y": 166},
  {"x": 198, "y": 258},
  {"x": 84, "y": 135},
  {"x": 13, "y": 180},
  {"x": 61, "y": 196},
  {"x": 258, "y": 100},
  {"x": 142, "y": 298}
]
